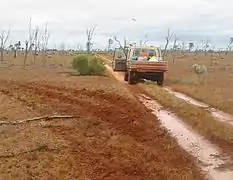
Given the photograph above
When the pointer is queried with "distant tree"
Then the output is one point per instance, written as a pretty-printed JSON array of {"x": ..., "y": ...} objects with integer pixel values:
[
  {"x": 29, "y": 43},
  {"x": 175, "y": 47},
  {"x": 196, "y": 50},
  {"x": 229, "y": 45},
  {"x": 168, "y": 39},
  {"x": 90, "y": 33},
  {"x": 44, "y": 44},
  {"x": 110, "y": 42},
  {"x": 36, "y": 44},
  {"x": 15, "y": 48},
  {"x": 205, "y": 45},
  {"x": 143, "y": 42},
  {"x": 191, "y": 46},
  {"x": 124, "y": 46},
  {"x": 3, "y": 40}
]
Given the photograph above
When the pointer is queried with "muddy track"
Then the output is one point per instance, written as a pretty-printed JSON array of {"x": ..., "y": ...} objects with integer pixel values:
[
  {"x": 182, "y": 133},
  {"x": 220, "y": 115},
  {"x": 117, "y": 111}
]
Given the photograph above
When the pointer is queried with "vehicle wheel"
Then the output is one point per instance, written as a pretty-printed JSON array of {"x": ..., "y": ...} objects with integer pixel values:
[
  {"x": 136, "y": 78},
  {"x": 113, "y": 68},
  {"x": 126, "y": 76},
  {"x": 161, "y": 79},
  {"x": 130, "y": 78}
]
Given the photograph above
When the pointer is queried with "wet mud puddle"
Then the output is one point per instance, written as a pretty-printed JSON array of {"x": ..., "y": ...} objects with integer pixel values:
[
  {"x": 221, "y": 116},
  {"x": 207, "y": 154}
]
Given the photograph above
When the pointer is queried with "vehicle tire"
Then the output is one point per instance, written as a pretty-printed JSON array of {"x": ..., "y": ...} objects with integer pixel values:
[
  {"x": 126, "y": 76},
  {"x": 130, "y": 78},
  {"x": 113, "y": 67},
  {"x": 136, "y": 78},
  {"x": 161, "y": 79}
]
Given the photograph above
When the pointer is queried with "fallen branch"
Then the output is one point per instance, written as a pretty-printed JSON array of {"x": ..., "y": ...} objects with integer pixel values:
[
  {"x": 35, "y": 119},
  {"x": 41, "y": 148}
]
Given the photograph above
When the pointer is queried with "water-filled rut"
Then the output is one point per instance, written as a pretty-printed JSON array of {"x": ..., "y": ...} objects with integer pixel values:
[
  {"x": 219, "y": 115},
  {"x": 207, "y": 153}
]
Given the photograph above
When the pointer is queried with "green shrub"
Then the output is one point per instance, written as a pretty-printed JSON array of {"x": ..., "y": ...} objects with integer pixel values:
[
  {"x": 88, "y": 64},
  {"x": 96, "y": 66},
  {"x": 80, "y": 64}
]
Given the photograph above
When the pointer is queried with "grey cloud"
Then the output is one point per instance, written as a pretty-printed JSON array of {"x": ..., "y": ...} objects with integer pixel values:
[{"x": 68, "y": 20}]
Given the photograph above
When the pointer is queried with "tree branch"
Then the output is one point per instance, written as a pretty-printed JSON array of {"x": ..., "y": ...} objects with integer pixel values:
[
  {"x": 41, "y": 148},
  {"x": 36, "y": 119}
]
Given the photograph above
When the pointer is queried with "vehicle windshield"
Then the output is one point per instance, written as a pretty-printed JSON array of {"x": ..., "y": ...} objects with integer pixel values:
[
  {"x": 149, "y": 52},
  {"x": 144, "y": 52}
]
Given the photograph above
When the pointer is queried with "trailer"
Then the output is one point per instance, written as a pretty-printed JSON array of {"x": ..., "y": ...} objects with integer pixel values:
[{"x": 145, "y": 62}]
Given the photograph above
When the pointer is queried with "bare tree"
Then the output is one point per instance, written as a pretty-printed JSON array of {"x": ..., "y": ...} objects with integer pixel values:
[
  {"x": 205, "y": 45},
  {"x": 62, "y": 48},
  {"x": 143, "y": 42},
  {"x": 90, "y": 33},
  {"x": 191, "y": 46},
  {"x": 196, "y": 52},
  {"x": 182, "y": 47},
  {"x": 168, "y": 39},
  {"x": 44, "y": 44},
  {"x": 15, "y": 48},
  {"x": 123, "y": 47},
  {"x": 110, "y": 42},
  {"x": 29, "y": 43},
  {"x": 36, "y": 44},
  {"x": 229, "y": 45},
  {"x": 174, "y": 48},
  {"x": 3, "y": 39}
]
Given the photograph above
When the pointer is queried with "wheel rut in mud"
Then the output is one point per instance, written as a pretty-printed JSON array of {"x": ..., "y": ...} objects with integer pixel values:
[{"x": 210, "y": 164}]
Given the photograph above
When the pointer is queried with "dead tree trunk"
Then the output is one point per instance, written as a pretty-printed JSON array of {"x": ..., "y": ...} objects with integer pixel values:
[
  {"x": 26, "y": 54},
  {"x": 90, "y": 33},
  {"x": 37, "y": 42},
  {"x": 3, "y": 40},
  {"x": 168, "y": 38}
]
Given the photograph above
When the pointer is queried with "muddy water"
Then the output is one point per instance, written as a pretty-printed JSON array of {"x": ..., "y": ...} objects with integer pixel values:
[
  {"x": 216, "y": 113},
  {"x": 187, "y": 98},
  {"x": 207, "y": 154}
]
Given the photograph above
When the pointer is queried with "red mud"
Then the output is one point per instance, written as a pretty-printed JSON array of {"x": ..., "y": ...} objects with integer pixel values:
[{"x": 153, "y": 155}]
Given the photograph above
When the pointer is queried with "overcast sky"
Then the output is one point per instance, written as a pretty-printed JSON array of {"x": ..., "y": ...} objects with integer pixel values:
[{"x": 191, "y": 20}]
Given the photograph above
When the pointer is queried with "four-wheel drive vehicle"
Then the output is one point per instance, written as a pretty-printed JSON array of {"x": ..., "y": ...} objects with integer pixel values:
[
  {"x": 119, "y": 59},
  {"x": 145, "y": 62}
]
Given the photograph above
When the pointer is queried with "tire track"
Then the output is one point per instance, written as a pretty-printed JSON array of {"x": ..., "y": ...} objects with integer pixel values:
[{"x": 207, "y": 153}]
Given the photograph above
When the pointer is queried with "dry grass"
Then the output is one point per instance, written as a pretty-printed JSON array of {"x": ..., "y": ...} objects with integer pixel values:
[
  {"x": 114, "y": 138},
  {"x": 216, "y": 89},
  {"x": 55, "y": 60},
  {"x": 200, "y": 120}
]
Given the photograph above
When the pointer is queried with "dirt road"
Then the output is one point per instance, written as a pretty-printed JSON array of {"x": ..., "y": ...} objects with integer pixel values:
[
  {"x": 112, "y": 136},
  {"x": 185, "y": 135}
]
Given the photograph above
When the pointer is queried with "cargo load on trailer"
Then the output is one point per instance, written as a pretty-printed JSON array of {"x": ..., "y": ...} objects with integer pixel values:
[{"x": 140, "y": 62}]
